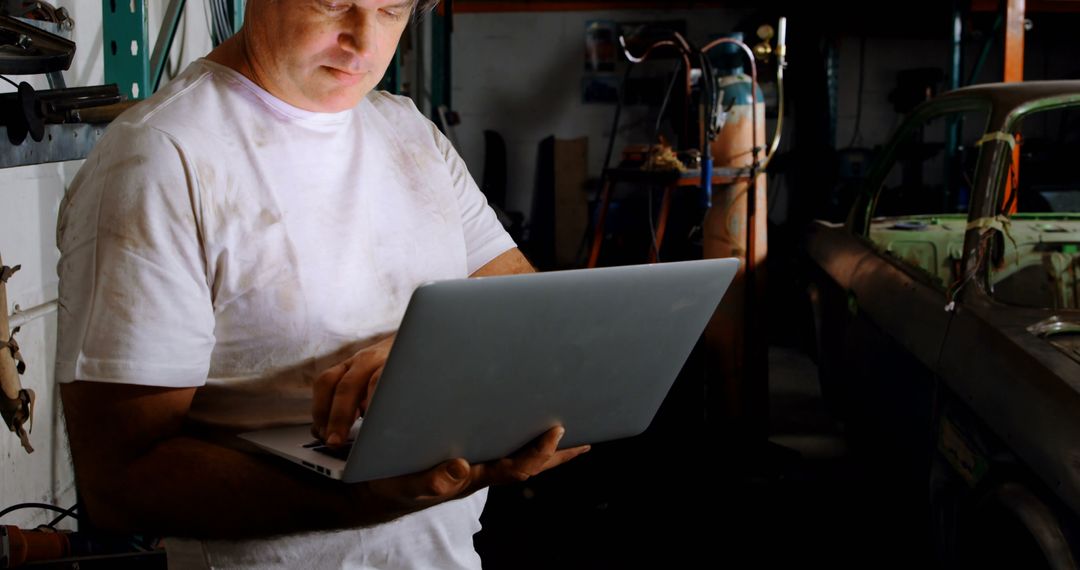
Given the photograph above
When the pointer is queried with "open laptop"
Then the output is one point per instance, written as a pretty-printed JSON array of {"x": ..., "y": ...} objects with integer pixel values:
[{"x": 481, "y": 367}]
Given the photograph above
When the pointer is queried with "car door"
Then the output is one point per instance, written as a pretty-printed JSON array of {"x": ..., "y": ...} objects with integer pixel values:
[
  {"x": 1023, "y": 385},
  {"x": 910, "y": 225}
]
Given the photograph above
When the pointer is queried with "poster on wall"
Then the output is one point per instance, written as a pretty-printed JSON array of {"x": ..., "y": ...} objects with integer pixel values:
[
  {"x": 601, "y": 46},
  {"x": 599, "y": 84}
]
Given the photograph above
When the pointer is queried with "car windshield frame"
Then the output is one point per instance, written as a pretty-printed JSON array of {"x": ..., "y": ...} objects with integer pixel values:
[{"x": 860, "y": 224}]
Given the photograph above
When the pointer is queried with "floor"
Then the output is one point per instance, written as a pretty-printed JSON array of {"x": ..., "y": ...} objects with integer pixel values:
[{"x": 671, "y": 498}]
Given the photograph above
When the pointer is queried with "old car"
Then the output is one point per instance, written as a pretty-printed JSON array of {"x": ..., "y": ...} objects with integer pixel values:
[{"x": 947, "y": 322}]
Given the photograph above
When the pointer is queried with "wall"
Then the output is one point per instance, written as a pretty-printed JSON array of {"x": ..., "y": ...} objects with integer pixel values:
[
  {"x": 521, "y": 75},
  {"x": 29, "y": 201},
  {"x": 1049, "y": 49}
]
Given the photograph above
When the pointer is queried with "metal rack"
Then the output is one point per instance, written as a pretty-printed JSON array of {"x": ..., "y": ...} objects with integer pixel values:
[
  {"x": 129, "y": 63},
  {"x": 71, "y": 141}
]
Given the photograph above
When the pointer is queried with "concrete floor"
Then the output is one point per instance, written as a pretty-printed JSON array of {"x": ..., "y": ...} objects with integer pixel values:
[{"x": 671, "y": 498}]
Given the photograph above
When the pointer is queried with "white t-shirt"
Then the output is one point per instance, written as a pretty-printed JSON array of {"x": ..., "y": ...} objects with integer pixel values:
[{"x": 220, "y": 238}]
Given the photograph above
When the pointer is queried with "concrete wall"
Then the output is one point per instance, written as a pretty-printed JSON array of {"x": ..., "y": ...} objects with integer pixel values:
[{"x": 29, "y": 201}]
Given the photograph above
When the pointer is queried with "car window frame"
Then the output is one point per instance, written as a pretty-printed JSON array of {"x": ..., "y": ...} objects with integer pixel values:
[
  {"x": 1000, "y": 160},
  {"x": 863, "y": 213}
]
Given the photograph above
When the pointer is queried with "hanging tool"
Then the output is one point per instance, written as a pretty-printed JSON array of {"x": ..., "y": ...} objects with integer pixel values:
[
  {"x": 25, "y": 49},
  {"x": 16, "y": 403},
  {"x": 26, "y": 112}
]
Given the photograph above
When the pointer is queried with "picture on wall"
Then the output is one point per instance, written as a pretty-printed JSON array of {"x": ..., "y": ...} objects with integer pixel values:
[{"x": 601, "y": 46}]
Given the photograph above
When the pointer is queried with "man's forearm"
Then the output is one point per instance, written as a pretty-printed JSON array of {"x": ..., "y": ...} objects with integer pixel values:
[{"x": 193, "y": 488}]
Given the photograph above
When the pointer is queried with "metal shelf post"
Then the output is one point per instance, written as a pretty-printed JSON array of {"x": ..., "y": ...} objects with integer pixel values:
[{"x": 126, "y": 39}]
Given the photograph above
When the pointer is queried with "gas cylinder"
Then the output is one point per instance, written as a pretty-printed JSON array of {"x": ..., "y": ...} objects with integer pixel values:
[{"x": 736, "y": 357}]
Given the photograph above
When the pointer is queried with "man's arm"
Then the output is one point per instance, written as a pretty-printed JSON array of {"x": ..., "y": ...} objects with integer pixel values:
[
  {"x": 511, "y": 262},
  {"x": 138, "y": 472}
]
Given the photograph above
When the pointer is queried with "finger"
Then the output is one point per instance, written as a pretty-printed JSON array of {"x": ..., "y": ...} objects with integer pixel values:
[
  {"x": 346, "y": 403},
  {"x": 371, "y": 390},
  {"x": 540, "y": 449},
  {"x": 442, "y": 483},
  {"x": 322, "y": 398},
  {"x": 525, "y": 463},
  {"x": 564, "y": 455}
]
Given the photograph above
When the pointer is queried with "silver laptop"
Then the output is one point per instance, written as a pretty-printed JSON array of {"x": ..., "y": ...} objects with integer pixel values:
[{"x": 481, "y": 367}]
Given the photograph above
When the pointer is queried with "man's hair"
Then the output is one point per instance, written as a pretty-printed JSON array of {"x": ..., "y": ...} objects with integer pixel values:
[
  {"x": 424, "y": 6},
  {"x": 421, "y": 8}
]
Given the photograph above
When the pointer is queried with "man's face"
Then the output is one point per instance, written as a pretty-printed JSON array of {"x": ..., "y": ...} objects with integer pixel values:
[{"x": 323, "y": 55}]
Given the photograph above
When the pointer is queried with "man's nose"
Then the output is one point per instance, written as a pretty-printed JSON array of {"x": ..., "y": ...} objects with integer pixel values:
[{"x": 360, "y": 35}]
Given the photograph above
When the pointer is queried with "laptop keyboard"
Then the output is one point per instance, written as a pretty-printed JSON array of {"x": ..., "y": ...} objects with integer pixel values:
[{"x": 341, "y": 453}]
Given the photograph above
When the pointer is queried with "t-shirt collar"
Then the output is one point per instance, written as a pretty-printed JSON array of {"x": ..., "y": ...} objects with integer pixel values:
[{"x": 276, "y": 103}]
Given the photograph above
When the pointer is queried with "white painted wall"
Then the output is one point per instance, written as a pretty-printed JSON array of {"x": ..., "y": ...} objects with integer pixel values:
[{"x": 29, "y": 201}]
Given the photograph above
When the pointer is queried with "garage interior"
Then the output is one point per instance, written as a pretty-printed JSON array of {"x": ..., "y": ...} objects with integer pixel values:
[{"x": 891, "y": 382}]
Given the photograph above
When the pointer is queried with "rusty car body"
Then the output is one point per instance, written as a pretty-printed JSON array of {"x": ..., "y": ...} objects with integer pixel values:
[{"x": 947, "y": 322}]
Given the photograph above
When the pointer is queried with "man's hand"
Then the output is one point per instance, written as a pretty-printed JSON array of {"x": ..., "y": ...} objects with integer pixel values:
[
  {"x": 342, "y": 393},
  {"x": 456, "y": 478}
]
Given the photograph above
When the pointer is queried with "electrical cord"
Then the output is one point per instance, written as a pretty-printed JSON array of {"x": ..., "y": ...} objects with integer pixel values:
[
  {"x": 680, "y": 44},
  {"x": 667, "y": 100},
  {"x": 583, "y": 248},
  {"x": 9, "y": 81},
  {"x": 217, "y": 13},
  {"x": 70, "y": 512},
  {"x": 44, "y": 506},
  {"x": 711, "y": 94}
]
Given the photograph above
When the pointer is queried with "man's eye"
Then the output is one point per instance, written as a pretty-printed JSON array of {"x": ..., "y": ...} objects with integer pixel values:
[
  {"x": 394, "y": 13},
  {"x": 335, "y": 6}
]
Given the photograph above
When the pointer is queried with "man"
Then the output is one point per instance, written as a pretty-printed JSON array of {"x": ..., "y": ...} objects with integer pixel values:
[{"x": 236, "y": 254}]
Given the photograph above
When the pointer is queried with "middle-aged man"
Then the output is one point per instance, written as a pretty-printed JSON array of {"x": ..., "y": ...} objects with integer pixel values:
[{"x": 237, "y": 253}]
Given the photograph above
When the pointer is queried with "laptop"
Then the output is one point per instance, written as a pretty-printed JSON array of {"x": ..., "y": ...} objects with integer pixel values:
[{"x": 481, "y": 367}]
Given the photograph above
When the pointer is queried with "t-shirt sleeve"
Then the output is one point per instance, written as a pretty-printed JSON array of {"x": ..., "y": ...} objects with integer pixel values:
[
  {"x": 135, "y": 304},
  {"x": 485, "y": 237}
]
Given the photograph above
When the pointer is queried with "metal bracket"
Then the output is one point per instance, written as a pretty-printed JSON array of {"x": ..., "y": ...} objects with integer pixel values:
[
  {"x": 72, "y": 141},
  {"x": 127, "y": 61}
]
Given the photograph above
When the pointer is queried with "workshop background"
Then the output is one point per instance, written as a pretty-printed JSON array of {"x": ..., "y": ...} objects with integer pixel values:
[{"x": 695, "y": 490}]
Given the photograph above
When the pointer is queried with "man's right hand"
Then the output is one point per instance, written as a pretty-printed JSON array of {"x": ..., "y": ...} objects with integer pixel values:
[
  {"x": 457, "y": 478},
  {"x": 342, "y": 393}
]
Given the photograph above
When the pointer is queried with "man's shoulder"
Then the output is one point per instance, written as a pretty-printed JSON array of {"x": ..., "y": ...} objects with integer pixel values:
[
  {"x": 395, "y": 107},
  {"x": 198, "y": 97}
]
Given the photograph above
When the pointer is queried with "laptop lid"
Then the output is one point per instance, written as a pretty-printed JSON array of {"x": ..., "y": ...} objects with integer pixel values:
[{"x": 481, "y": 367}]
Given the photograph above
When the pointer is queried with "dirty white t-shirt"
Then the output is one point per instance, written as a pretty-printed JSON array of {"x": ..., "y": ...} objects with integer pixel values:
[{"x": 220, "y": 238}]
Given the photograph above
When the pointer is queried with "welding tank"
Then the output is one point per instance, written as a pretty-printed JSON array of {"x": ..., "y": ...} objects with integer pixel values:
[{"x": 737, "y": 367}]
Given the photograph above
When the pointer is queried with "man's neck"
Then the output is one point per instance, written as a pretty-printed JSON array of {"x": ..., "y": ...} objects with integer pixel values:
[{"x": 232, "y": 53}]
